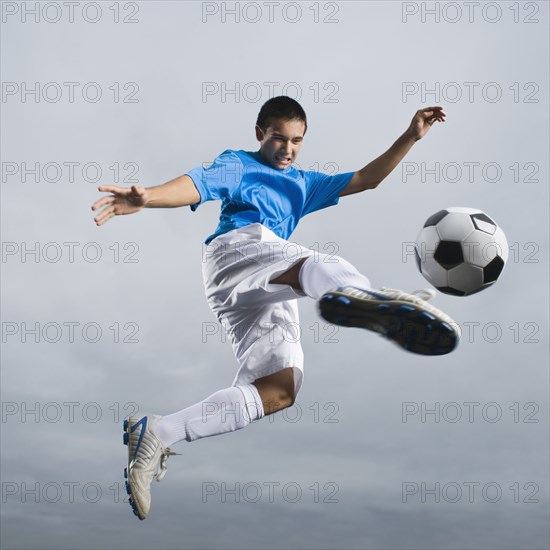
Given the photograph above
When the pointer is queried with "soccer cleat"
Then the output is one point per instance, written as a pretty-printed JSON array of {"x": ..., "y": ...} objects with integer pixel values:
[
  {"x": 406, "y": 319},
  {"x": 147, "y": 458}
]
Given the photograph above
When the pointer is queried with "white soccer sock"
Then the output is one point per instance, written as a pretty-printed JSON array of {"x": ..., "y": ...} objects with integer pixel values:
[
  {"x": 224, "y": 411},
  {"x": 319, "y": 275}
]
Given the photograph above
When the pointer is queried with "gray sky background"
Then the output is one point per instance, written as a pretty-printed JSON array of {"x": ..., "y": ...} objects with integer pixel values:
[{"x": 363, "y": 471}]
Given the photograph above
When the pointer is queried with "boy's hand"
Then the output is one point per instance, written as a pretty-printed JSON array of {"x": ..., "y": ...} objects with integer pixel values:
[
  {"x": 423, "y": 120},
  {"x": 123, "y": 201}
]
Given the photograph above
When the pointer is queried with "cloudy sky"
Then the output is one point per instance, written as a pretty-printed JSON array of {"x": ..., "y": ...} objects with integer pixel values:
[{"x": 383, "y": 449}]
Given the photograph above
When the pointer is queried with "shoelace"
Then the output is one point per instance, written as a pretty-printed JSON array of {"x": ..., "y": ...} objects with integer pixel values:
[
  {"x": 425, "y": 293},
  {"x": 166, "y": 453}
]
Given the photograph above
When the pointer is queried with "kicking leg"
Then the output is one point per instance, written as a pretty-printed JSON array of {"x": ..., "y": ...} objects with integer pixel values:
[
  {"x": 291, "y": 277},
  {"x": 346, "y": 299},
  {"x": 318, "y": 274}
]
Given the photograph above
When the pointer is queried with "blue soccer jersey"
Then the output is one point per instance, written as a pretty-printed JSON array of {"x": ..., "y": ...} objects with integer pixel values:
[{"x": 254, "y": 192}]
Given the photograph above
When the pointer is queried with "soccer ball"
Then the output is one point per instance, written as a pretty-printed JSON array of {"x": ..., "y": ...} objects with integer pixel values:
[{"x": 461, "y": 251}]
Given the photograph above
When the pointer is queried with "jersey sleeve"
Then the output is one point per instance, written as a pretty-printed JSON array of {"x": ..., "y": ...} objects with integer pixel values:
[
  {"x": 323, "y": 190},
  {"x": 218, "y": 180}
]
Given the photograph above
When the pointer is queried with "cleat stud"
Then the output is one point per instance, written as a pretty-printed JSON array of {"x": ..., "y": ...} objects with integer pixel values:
[
  {"x": 406, "y": 308},
  {"x": 125, "y": 473},
  {"x": 128, "y": 490},
  {"x": 125, "y": 425},
  {"x": 344, "y": 300},
  {"x": 125, "y": 438}
]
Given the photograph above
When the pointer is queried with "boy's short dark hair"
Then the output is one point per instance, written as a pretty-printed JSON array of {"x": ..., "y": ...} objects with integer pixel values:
[{"x": 280, "y": 108}]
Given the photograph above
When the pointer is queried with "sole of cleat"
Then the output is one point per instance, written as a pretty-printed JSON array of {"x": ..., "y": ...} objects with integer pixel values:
[{"x": 401, "y": 322}]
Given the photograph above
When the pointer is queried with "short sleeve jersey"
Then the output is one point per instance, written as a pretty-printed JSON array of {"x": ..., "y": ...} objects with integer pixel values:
[{"x": 254, "y": 192}]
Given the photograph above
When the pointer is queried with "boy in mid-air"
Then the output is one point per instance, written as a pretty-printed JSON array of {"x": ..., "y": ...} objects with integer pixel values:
[{"x": 253, "y": 277}]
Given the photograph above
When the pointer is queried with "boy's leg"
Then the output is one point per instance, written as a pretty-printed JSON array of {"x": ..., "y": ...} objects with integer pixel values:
[
  {"x": 277, "y": 391},
  {"x": 260, "y": 320},
  {"x": 227, "y": 410},
  {"x": 291, "y": 277},
  {"x": 321, "y": 274},
  {"x": 346, "y": 299}
]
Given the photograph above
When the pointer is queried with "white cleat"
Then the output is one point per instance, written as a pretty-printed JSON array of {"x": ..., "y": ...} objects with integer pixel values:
[{"x": 147, "y": 458}]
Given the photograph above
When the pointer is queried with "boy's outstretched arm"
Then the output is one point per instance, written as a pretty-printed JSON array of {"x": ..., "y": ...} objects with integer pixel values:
[
  {"x": 373, "y": 173},
  {"x": 180, "y": 191}
]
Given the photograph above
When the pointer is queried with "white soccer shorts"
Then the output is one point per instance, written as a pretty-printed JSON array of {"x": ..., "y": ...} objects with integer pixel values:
[{"x": 260, "y": 318}]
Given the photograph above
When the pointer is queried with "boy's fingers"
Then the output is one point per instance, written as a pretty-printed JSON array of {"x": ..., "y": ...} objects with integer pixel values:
[
  {"x": 113, "y": 189},
  {"x": 103, "y": 201},
  {"x": 104, "y": 215},
  {"x": 432, "y": 110},
  {"x": 103, "y": 220}
]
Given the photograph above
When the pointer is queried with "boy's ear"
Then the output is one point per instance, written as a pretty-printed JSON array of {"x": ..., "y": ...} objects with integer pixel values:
[{"x": 259, "y": 133}]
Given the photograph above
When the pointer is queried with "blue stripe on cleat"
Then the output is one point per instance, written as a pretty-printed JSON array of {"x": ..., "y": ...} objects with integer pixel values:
[{"x": 427, "y": 315}]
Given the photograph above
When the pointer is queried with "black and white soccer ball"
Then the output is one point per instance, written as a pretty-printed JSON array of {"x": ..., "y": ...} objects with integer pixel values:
[{"x": 461, "y": 251}]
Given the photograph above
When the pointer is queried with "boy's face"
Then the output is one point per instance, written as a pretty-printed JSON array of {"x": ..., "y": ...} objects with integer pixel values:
[{"x": 281, "y": 142}]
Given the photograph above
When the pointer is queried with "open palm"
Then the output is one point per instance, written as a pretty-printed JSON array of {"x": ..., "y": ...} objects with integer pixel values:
[{"x": 122, "y": 201}]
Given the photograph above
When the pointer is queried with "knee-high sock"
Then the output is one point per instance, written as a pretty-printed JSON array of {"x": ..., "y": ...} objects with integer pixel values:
[
  {"x": 224, "y": 411},
  {"x": 318, "y": 275}
]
